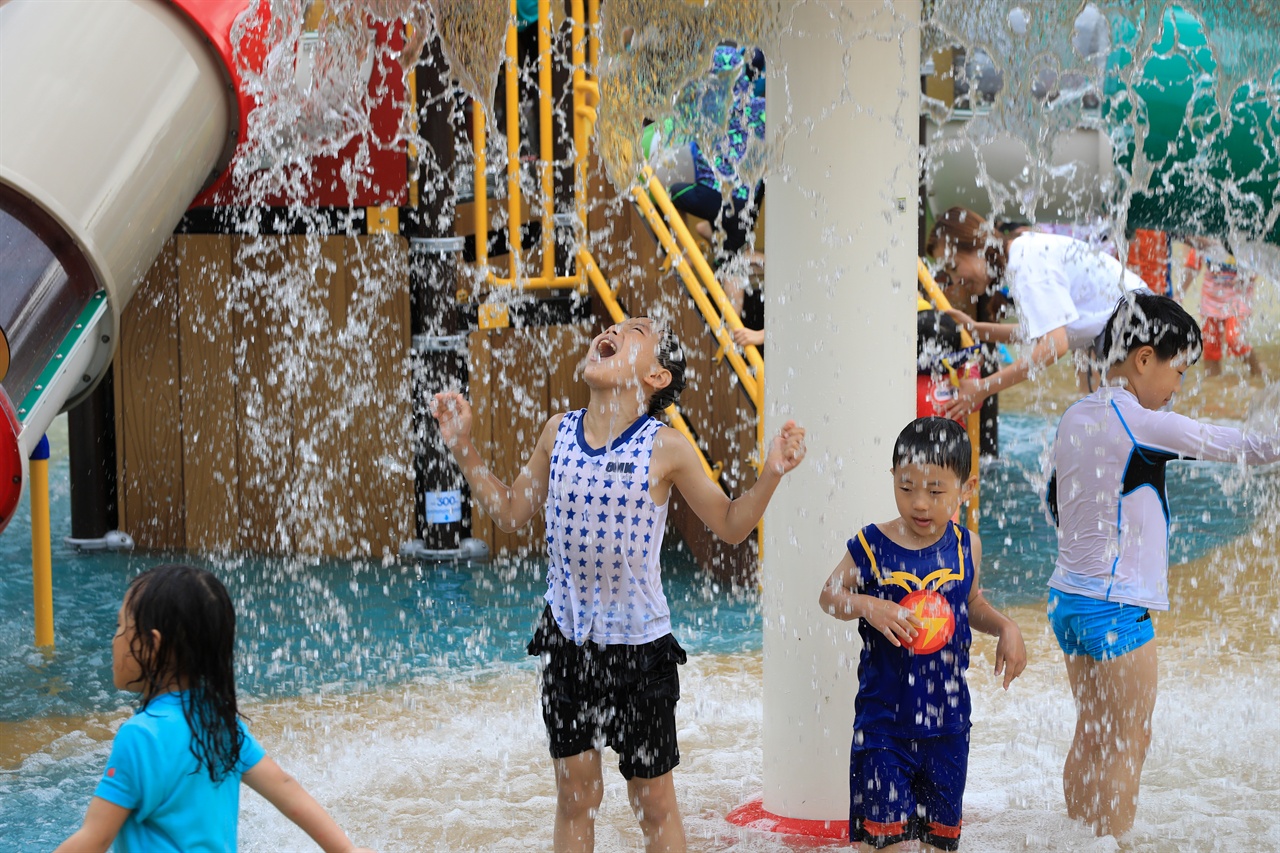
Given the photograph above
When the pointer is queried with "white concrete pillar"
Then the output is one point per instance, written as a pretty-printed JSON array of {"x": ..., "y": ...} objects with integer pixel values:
[{"x": 843, "y": 99}]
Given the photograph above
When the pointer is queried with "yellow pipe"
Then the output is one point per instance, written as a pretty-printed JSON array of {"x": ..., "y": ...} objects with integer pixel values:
[
  {"x": 588, "y": 265},
  {"x": 973, "y": 423},
  {"x": 481, "y": 184},
  {"x": 41, "y": 551},
  {"x": 544, "y": 133},
  {"x": 690, "y": 246},
  {"x": 937, "y": 297},
  {"x": 753, "y": 385},
  {"x": 580, "y": 133},
  {"x": 411, "y": 84},
  {"x": 538, "y": 283},
  {"x": 694, "y": 254},
  {"x": 513, "y": 146},
  {"x": 719, "y": 329},
  {"x": 592, "y": 271},
  {"x": 593, "y": 27}
]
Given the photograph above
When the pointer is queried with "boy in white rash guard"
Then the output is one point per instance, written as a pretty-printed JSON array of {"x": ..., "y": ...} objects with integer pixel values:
[
  {"x": 1107, "y": 497},
  {"x": 605, "y": 474}
]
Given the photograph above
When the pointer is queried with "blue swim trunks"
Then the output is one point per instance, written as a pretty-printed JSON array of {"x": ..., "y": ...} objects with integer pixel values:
[
  {"x": 1100, "y": 629},
  {"x": 907, "y": 788}
]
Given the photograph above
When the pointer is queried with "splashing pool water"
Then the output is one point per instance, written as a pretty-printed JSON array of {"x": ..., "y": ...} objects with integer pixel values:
[{"x": 402, "y": 697}]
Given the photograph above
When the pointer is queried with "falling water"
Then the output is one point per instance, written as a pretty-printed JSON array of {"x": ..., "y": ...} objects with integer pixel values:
[{"x": 399, "y": 692}]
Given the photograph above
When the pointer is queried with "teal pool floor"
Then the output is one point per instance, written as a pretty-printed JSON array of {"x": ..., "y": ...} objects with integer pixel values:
[{"x": 337, "y": 626}]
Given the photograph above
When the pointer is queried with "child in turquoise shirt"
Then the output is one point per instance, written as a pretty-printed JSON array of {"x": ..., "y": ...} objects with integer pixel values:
[{"x": 172, "y": 782}]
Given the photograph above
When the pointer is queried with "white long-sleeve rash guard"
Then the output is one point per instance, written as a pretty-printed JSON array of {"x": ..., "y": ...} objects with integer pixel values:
[{"x": 1107, "y": 492}]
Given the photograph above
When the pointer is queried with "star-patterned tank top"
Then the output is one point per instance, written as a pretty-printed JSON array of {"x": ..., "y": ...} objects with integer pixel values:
[{"x": 604, "y": 533}]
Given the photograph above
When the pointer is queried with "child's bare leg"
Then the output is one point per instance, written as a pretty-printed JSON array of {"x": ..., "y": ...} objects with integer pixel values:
[
  {"x": 654, "y": 802},
  {"x": 1079, "y": 773},
  {"x": 900, "y": 847},
  {"x": 1255, "y": 368},
  {"x": 1213, "y": 367},
  {"x": 1114, "y": 702},
  {"x": 579, "y": 790}
]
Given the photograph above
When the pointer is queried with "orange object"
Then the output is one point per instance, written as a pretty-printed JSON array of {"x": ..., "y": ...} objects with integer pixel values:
[
  {"x": 1221, "y": 333},
  {"x": 1149, "y": 258},
  {"x": 932, "y": 609}
]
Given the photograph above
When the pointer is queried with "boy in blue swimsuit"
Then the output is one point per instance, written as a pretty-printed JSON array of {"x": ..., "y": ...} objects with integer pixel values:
[{"x": 913, "y": 584}]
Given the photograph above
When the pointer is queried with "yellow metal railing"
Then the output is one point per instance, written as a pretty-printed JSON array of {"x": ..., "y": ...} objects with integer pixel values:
[
  {"x": 973, "y": 424},
  {"x": 698, "y": 277},
  {"x": 717, "y": 310},
  {"x": 586, "y": 97}
]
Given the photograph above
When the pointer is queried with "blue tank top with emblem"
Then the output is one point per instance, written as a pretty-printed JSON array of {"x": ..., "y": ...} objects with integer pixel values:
[
  {"x": 604, "y": 534},
  {"x": 920, "y": 693}
]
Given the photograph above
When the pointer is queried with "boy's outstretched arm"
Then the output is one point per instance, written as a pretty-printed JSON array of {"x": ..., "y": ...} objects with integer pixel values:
[
  {"x": 995, "y": 332},
  {"x": 292, "y": 800},
  {"x": 1011, "y": 653},
  {"x": 1045, "y": 351},
  {"x": 512, "y": 506},
  {"x": 840, "y": 598},
  {"x": 731, "y": 520}
]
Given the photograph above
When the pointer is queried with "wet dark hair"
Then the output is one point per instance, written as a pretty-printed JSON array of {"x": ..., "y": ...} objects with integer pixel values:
[
  {"x": 937, "y": 336},
  {"x": 935, "y": 441},
  {"x": 1142, "y": 318},
  {"x": 1007, "y": 226},
  {"x": 670, "y": 357},
  {"x": 192, "y": 611}
]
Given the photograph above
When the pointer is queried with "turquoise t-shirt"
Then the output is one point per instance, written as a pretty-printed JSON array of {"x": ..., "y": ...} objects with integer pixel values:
[{"x": 176, "y": 806}]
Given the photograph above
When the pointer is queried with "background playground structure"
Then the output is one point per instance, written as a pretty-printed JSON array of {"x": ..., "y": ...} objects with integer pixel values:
[{"x": 362, "y": 211}]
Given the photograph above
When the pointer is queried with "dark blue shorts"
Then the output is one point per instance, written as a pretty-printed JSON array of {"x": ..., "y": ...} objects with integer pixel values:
[{"x": 902, "y": 788}]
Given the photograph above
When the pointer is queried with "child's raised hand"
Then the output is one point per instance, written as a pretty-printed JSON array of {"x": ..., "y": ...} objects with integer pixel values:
[
  {"x": 968, "y": 398},
  {"x": 745, "y": 337},
  {"x": 787, "y": 450},
  {"x": 1011, "y": 653},
  {"x": 452, "y": 411},
  {"x": 893, "y": 620}
]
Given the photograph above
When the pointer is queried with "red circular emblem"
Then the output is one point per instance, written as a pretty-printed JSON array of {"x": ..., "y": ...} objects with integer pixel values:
[{"x": 939, "y": 622}]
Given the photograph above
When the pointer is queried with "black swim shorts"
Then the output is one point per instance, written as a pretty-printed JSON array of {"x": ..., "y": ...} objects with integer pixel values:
[{"x": 619, "y": 696}]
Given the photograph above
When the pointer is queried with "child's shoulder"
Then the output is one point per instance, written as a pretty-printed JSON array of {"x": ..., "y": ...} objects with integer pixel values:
[
  {"x": 868, "y": 538},
  {"x": 156, "y": 720},
  {"x": 553, "y": 423}
]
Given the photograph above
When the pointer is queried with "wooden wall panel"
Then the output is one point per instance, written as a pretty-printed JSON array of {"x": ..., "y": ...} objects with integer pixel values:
[
  {"x": 264, "y": 398},
  {"x": 207, "y": 340},
  {"x": 321, "y": 465},
  {"x": 519, "y": 379},
  {"x": 381, "y": 482},
  {"x": 519, "y": 403},
  {"x": 565, "y": 389},
  {"x": 149, "y": 412},
  {"x": 479, "y": 392}
]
